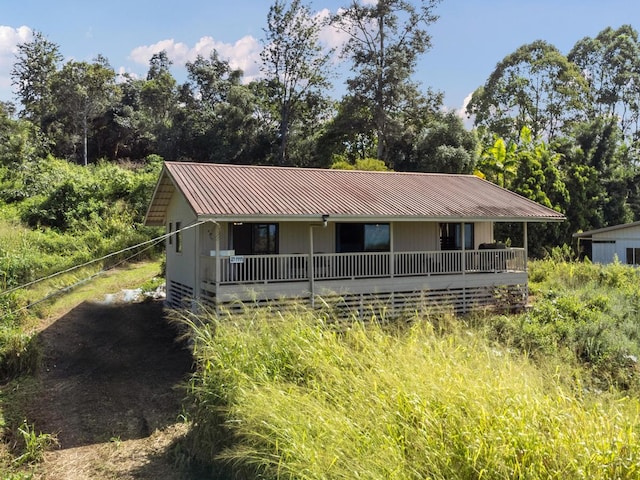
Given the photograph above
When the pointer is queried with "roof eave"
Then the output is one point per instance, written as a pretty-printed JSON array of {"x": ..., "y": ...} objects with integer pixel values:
[{"x": 373, "y": 218}]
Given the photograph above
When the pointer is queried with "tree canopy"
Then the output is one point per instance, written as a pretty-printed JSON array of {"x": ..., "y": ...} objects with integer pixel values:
[{"x": 561, "y": 129}]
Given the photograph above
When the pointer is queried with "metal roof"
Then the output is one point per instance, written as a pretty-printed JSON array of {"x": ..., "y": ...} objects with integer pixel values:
[
  {"x": 612, "y": 228},
  {"x": 244, "y": 192}
]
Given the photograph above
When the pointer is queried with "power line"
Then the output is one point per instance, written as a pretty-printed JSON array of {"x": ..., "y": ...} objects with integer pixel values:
[
  {"x": 48, "y": 277},
  {"x": 87, "y": 279}
]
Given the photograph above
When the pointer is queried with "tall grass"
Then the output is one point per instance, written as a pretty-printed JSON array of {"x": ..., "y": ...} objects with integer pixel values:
[{"x": 289, "y": 396}]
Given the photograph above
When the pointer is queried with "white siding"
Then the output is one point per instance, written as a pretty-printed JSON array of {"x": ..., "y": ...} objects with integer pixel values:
[
  {"x": 605, "y": 253},
  {"x": 208, "y": 237},
  {"x": 416, "y": 236},
  {"x": 181, "y": 266},
  {"x": 607, "y": 245},
  {"x": 294, "y": 237},
  {"x": 483, "y": 233}
]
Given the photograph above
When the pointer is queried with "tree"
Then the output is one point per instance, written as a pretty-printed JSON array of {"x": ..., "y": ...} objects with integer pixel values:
[
  {"x": 384, "y": 42},
  {"x": 498, "y": 162},
  {"x": 32, "y": 76},
  {"x": 534, "y": 87},
  {"x": 159, "y": 105},
  {"x": 295, "y": 68},
  {"x": 83, "y": 92},
  {"x": 219, "y": 120},
  {"x": 610, "y": 63},
  {"x": 440, "y": 143},
  {"x": 597, "y": 178}
]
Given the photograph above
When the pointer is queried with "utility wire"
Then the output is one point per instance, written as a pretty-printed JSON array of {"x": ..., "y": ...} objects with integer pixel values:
[
  {"x": 157, "y": 239},
  {"x": 87, "y": 279}
]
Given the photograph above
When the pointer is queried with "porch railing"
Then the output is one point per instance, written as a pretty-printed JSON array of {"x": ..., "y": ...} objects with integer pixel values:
[{"x": 336, "y": 266}]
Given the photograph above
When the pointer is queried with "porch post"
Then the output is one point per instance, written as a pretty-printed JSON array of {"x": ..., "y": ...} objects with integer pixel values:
[
  {"x": 463, "y": 263},
  {"x": 312, "y": 292},
  {"x": 392, "y": 252},
  {"x": 525, "y": 241},
  {"x": 196, "y": 270},
  {"x": 217, "y": 265}
]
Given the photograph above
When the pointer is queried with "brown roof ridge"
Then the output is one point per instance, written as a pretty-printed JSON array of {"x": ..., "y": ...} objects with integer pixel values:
[{"x": 321, "y": 169}]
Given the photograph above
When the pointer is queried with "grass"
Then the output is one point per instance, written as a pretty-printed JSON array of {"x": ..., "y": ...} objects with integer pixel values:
[
  {"x": 129, "y": 276},
  {"x": 285, "y": 395}
]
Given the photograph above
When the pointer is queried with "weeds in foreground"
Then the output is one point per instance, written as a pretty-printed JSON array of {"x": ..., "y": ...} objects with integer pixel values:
[
  {"x": 286, "y": 395},
  {"x": 33, "y": 445}
]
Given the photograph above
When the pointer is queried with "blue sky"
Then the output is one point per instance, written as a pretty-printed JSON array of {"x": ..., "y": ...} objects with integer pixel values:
[{"x": 470, "y": 37}]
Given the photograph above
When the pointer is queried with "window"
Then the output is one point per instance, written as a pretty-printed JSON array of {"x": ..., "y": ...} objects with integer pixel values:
[
  {"x": 255, "y": 238},
  {"x": 451, "y": 236},
  {"x": 633, "y": 256},
  {"x": 178, "y": 237},
  {"x": 170, "y": 233},
  {"x": 363, "y": 237}
]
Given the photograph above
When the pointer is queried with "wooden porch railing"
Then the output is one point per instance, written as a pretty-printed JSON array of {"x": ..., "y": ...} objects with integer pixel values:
[{"x": 336, "y": 266}]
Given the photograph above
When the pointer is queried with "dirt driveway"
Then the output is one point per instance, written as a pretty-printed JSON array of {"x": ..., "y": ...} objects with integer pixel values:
[{"x": 111, "y": 389}]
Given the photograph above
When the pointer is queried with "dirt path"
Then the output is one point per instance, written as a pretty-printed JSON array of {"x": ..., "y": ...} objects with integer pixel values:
[{"x": 110, "y": 388}]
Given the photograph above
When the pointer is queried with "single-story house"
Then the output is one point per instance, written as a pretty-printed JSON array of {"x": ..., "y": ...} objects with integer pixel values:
[
  {"x": 604, "y": 245},
  {"x": 242, "y": 233}
]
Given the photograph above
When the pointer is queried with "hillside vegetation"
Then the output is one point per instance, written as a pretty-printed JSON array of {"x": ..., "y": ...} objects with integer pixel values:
[
  {"x": 548, "y": 393},
  {"x": 54, "y": 216}
]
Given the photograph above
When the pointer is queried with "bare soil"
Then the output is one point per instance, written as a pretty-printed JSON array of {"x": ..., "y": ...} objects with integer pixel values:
[{"x": 111, "y": 390}]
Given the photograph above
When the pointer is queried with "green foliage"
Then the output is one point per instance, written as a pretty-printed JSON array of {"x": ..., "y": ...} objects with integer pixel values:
[
  {"x": 33, "y": 444},
  {"x": 20, "y": 352},
  {"x": 586, "y": 311},
  {"x": 369, "y": 164},
  {"x": 286, "y": 395},
  {"x": 77, "y": 214}
]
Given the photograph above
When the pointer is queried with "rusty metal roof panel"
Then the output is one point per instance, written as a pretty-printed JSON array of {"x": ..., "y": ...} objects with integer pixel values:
[{"x": 223, "y": 190}]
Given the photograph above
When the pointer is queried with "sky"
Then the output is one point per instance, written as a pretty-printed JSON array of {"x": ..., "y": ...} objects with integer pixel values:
[{"x": 468, "y": 40}]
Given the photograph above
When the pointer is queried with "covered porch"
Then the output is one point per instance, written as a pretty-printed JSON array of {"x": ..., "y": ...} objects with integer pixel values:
[{"x": 464, "y": 278}]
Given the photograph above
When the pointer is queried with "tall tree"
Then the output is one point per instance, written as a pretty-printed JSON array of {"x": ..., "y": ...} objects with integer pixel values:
[
  {"x": 32, "y": 76},
  {"x": 534, "y": 87},
  {"x": 295, "y": 67},
  {"x": 440, "y": 144},
  {"x": 83, "y": 92},
  {"x": 159, "y": 104},
  {"x": 384, "y": 42},
  {"x": 218, "y": 121},
  {"x": 610, "y": 63}
]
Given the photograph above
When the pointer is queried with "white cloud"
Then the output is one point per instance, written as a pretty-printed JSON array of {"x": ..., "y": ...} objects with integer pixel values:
[
  {"x": 462, "y": 112},
  {"x": 10, "y": 38},
  {"x": 331, "y": 36},
  {"x": 243, "y": 54}
]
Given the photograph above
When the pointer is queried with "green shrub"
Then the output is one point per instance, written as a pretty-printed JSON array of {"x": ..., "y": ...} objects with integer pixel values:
[
  {"x": 20, "y": 353},
  {"x": 33, "y": 445},
  {"x": 285, "y": 395}
]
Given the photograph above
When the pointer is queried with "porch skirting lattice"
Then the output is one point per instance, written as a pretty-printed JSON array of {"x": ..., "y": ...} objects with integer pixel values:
[{"x": 455, "y": 300}]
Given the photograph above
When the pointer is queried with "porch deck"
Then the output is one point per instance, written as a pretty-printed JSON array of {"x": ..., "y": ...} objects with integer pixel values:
[{"x": 470, "y": 276}]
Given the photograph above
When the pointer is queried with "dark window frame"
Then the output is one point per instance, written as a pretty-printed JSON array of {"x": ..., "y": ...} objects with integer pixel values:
[
  {"x": 358, "y": 237},
  {"x": 633, "y": 256},
  {"x": 263, "y": 238},
  {"x": 178, "y": 237},
  {"x": 451, "y": 237}
]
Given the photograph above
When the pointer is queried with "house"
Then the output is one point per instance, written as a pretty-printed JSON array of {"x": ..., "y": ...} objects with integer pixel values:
[
  {"x": 604, "y": 245},
  {"x": 243, "y": 233}
]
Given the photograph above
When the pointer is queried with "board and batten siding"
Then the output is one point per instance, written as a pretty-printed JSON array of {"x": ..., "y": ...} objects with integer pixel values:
[
  {"x": 408, "y": 236},
  {"x": 208, "y": 237},
  {"x": 181, "y": 266},
  {"x": 607, "y": 245},
  {"x": 416, "y": 236},
  {"x": 483, "y": 233},
  {"x": 294, "y": 237}
]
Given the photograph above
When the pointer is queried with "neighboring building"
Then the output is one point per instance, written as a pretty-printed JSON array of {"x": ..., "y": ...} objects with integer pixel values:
[
  {"x": 605, "y": 245},
  {"x": 273, "y": 234}
]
